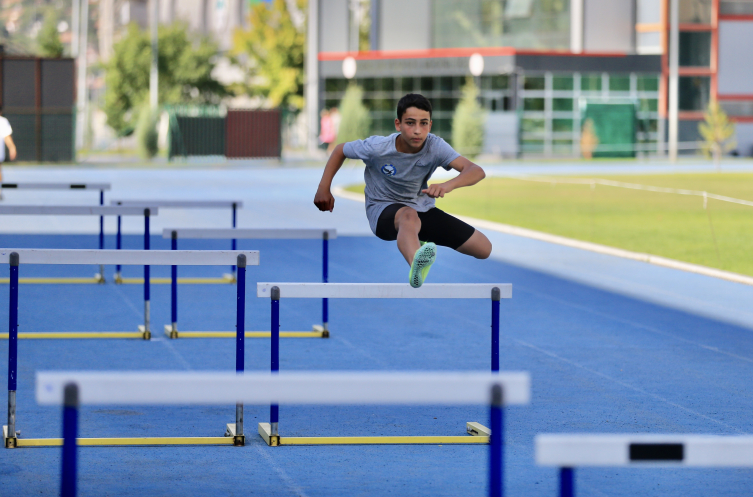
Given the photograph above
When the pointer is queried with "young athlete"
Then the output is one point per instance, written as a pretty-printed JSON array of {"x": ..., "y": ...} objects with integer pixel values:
[
  {"x": 399, "y": 202},
  {"x": 5, "y": 135}
]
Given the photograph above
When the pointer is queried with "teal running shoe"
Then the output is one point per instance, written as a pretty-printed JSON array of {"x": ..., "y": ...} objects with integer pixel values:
[{"x": 422, "y": 261}]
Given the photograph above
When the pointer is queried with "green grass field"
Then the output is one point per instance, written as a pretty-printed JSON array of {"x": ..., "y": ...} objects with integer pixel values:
[{"x": 669, "y": 225}]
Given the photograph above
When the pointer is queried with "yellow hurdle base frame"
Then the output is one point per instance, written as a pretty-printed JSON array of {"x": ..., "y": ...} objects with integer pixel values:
[
  {"x": 479, "y": 434},
  {"x": 79, "y": 334},
  {"x": 318, "y": 332},
  {"x": 227, "y": 279},
  {"x": 96, "y": 280},
  {"x": 11, "y": 443}
]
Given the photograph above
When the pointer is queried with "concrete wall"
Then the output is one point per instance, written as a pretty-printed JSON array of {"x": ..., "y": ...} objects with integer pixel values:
[
  {"x": 609, "y": 26},
  {"x": 735, "y": 57},
  {"x": 744, "y": 139},
  {"x": 405, "y": 25},
  {"x": 501, "y": 134},
  {"x": 333, "y": 25}
]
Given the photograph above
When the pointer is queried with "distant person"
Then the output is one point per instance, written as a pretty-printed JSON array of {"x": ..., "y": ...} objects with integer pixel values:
[
  {"x": 326, "y": 130},
  {"x": 5, "y": 133},
  {"x": 334, "y": 115},
  {"x": 399, "y": 201},
  {"x": 588, "y": 139}
]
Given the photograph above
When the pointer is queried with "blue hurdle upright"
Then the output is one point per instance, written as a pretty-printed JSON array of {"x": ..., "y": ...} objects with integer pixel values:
[
  {"x": 306, "y": 387},
  {"x": 275, "y": 291},
  {"x": 324, "y": 234},
  {"x": 125, "y": 257}
]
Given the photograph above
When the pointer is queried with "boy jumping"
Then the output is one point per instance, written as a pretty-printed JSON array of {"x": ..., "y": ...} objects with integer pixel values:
[{"x": 399, "y": 202}]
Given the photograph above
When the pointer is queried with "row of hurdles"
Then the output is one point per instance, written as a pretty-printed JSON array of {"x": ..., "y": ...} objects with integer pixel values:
[{"x": 497, "y": 390}]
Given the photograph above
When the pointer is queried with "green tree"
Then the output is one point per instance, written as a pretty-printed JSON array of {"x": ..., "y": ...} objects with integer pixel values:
[
  {"x": 717, "y": 132},
  {"x": 146, "y": 132},
  {"x": 355, "y": 121},
  {"x": 185, "y": 73},
  {"x": 272, "y": 53},
  {"x": 468, "y": 122},
  {"x": 48, "y": 37}
]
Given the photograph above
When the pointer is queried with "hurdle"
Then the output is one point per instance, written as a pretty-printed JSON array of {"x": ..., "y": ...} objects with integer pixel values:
[
  {"x": 80, "y": 210},
  {"x": 318, "y": 331},
  {"x": 67, "y": 186},
  {"x": 72, "y": 389},
  {"x": 234, "y": 205},
  {"x": 125, "y": 257},
  {"x": 568, "y": 451},
  {"x": 275, "y": 291}
]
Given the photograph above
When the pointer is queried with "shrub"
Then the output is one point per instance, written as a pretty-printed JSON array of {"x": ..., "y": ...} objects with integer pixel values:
[
  {"x": 355, "y": 121},
  {"x": 146, "y": 132},
  {"x": 468, "y": 122}
]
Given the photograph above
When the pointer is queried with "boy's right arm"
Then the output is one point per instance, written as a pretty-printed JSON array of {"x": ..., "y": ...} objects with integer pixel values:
[{"x": 324, "y": 199}]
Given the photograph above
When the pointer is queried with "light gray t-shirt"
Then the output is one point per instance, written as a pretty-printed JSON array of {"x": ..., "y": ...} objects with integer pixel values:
[{"x": 394, "y": 177}]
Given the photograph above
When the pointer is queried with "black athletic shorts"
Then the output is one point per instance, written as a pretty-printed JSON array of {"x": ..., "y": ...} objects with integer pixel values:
[{"x": 436, "y": 226}]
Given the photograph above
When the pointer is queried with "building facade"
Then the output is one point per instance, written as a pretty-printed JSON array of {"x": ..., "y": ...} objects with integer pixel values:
[{"x": 543, "y": 62}]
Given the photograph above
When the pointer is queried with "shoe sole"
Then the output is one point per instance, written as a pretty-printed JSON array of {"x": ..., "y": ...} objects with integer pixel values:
[{"x": 425, "y": 257}]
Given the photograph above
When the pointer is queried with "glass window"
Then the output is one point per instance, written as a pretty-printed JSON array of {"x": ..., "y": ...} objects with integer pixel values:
[
  {"x": 532, "y": 146},
  {"x": 562, "y": 104},
  {"x": 388, "y": 84},
  {"x": 335, "y": 84},
  {"x": 533, "y": 104},
  {"x": 501, "y": 82},
  {"x": 562, "y": 125},
  {"x": 444, "y": 104},
  {"x": 648, "y": 83},
  {"x": 590, "y": 82},
  {"x": 427, "y": 85},
  {"x": 695, "y": 49},
  {"x": 368, "y": 84},
  {"x": 449, "y": 83},
  {"x": 406, "y": 85},
  {"x": 562, "y": 145},
  {"x": 562, "y": 83},
  {"x": 619, "y": 83},
  {"x": 694, "y": 92},
  {"x": 534, "y": 83},
  {"x": 695, "y": 11},
  {"x": 648, "y": 105},
  {"x": 532, "y": 125}
]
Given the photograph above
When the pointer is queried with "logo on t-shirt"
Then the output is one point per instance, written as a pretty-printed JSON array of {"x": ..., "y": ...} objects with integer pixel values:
[{"x": 389, "y": 169}]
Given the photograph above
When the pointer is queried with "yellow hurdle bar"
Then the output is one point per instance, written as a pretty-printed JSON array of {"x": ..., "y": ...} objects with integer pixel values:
[
  {"x": 249, "y": 334},
  {"x": 479, "y": 434},
  {"x": 56, "y": 281},
  {"x": 57, "y": 442},
  {"x": 227, "y": 279},
  {"x": 77, "y": 334}
]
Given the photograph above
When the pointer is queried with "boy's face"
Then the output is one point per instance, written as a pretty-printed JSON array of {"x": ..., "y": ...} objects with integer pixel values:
[{"x": 414, "y": 127}]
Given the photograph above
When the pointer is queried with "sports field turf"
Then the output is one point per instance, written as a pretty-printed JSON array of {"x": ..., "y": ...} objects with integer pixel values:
[{"x": 669, "y": 225}]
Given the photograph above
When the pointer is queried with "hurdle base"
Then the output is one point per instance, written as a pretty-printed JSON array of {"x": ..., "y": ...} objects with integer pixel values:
[
  {"x": 100, "y": 278},
  {"x": 134, "y": 441},
  {"x": 145, "y": 334},
  {"x": 227, "y": 279},
  {"x": 57, "y": 335},
  {"x": 481, "y": 436},
  {"x": 321, "y": 329},
  {"x": 238, "y": 440},
  {"x": 55, "y": 281},
  {"x": 10, "y": 442},
  {"x": 169, "y": 332}
]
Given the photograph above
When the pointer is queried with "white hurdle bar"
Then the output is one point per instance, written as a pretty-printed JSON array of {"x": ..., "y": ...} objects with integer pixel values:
[
  {"x": 85, "y": 210},
  {"x": 72, "y": 389},
  {"x": 324, "y": 234},
  {"x": 67, "y": 186},
  {"x": 275, "y": 291},
  {"x": 234, "y": 205},
  {"x": 568, "y": 451},
  {"x": 14, "y": 257}
]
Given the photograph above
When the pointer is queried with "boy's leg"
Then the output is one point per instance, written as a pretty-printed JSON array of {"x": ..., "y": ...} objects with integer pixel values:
[
  {"x": 407, "y": 225},
  {"x": 478, "y": 246}
]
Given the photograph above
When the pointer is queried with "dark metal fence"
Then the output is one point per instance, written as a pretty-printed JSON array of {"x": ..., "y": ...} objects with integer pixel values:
[
  {"x": 38, "y": 100},
  {"x": 236, "y": 134}
]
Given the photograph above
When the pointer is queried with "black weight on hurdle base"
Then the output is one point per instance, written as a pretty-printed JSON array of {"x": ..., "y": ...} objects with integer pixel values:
[
  {"x": 325, "y": 234},
  {"x": 479, "y": 433},
  {"x": 11, "y": 437}
]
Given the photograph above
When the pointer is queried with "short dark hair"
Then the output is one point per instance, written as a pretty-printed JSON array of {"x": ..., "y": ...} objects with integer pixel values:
[{"x": 413, "y": 100}]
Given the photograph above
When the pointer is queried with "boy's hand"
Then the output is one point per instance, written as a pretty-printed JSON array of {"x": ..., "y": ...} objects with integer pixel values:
[
  {"x": 437, "y": 190},
  {"x": 324, "y": 200}
]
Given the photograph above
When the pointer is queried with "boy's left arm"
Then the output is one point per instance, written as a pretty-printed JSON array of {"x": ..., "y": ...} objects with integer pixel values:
[{"x": 470, "y": 174}]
